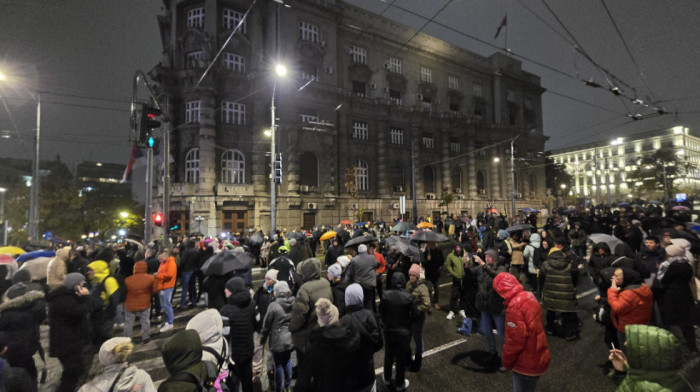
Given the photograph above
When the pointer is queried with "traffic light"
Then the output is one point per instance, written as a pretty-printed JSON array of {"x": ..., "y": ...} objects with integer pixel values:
[
  {"x": 148, "y": 122},
  {"x": 158, "y": 219},
  {"x": 278, "y": 169}
]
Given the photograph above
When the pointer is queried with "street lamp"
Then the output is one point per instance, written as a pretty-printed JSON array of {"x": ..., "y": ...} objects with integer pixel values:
[
  {"x": 280, "y": 71},
  {"x": 2, "y": 206},
  {"x": 124, "y": 214}
]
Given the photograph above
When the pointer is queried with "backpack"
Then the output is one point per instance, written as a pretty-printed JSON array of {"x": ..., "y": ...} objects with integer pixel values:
[
  {"x": 203, "y": 385},
  {"x": 96, "y": 292},
  {"x": 536, "y": 256},
  {"x": 223, "y": 379}
]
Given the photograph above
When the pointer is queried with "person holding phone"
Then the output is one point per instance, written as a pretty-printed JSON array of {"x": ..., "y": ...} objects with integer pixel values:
[{"x": 455, "y": 267}]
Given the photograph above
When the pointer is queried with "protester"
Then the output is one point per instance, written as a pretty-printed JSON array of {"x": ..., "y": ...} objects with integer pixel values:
[
  {"x": 398, "y": 311},
  {"x": 381, "y": 268},
  {"x": 104, "y": 290},
  {"x": 631, "y": 301},
  {"x": 676, "y": 302},
  {"x": 434, "y": 261},
  {"x": 338, "y": 286},
  {"x": 140, "y": 287},
  {"x": 525, "y": 349},
  {"x": 189, "y": 263},
  {"x": 421, "y": 295},
  {"x": 276, "y": 327},
  {"x": 182, "y": 356},
  {"x": 117, "y": 375},
  {"x": 488, "y": 302},
  {"x": 166, "y": 276},
  {"x": 69, "y": 306},
  {"x": 455, "y": 267},
  {"x": 559, "y": 294},
  {"x": 362, "y": 271},
  {"x": 240, "y": 311}
]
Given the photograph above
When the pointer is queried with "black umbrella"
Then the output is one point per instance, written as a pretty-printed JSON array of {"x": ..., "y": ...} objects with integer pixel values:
[
  {"x": 691, "y": 237},
  {"x": 256, "y": 239},
  {"x": 196, "y": 234},
  {"x": 227, "y": 261},
  {"x": 361, "y": 239},
  {"x": 404, "y": 246},
  {"x": 296, "y": 235},
  {"x": 403, "y": 227},
  {"x": 428, "y": 236},
  {"x": 520, "y": 227}
]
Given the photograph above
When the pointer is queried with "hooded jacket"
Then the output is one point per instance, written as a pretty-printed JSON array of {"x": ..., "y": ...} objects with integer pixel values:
[
  {"x": 654, "y": 359},
  {"x": 631, "y": 305},
  {"x": 68, "y": 321},
  {"x": 525, "y": 348},
  {"x": 20, "y": 318},
  {"x": 559, "y": 293},
  {"x": 101, "y": 269},
  {"x": 57, "y": 268},
  {"x": 167, "y": 274},
  {"x": 209, "y": 326},
  {"x": 516, "y": 257},
  {"x": 421, "y": 294},
  {"x": 182, "y": 353},
  {"x": 397, "y": 308},
  {"x": 361, "y": 271},
  {"x": 131, "y": 379},
  {"x": 303, "y": 312},
  {"x": 487, "y": 300},
  {"x": 625, "y": 258},
  {"x": 529, "y": 253},
  {"x": 240, "y": 311},
  {"x": 676, "y": 302},
  {"x": 333, "y": 352},
  {"x": 140, "y": 286},
  {"x": 455, "y": 265},
  {"x": 275, "y": 325},
  {"x": 598, "y": 262}
]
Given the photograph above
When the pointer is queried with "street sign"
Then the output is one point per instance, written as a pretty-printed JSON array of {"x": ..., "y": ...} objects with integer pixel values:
[{"x": 402, "y": 204}]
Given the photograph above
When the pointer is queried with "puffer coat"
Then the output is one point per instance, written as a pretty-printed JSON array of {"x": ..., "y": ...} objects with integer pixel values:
[{"x": 559, "y": 293}]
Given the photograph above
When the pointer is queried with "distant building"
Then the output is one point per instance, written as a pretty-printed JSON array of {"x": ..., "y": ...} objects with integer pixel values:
[
  {"x": 602, "y": 169},
  {"x": 357, "y": 97},
  {"x": 18, "y": 172},
  {"x": 103, "y": 177}
]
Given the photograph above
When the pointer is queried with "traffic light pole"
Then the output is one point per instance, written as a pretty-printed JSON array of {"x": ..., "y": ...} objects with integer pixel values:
[
  {"x": 149, "y": 188},
  {"x": 166, "y": 178},
  {"x": 273, "y": 196}
]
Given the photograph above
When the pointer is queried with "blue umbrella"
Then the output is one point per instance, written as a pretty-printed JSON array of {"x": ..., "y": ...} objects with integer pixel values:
[
  {"x": 624, "y": 204},
  {"x": 695, "y": 228},
  {"x": 35, "y": 254},
  {"x": 528, "y": 209}
]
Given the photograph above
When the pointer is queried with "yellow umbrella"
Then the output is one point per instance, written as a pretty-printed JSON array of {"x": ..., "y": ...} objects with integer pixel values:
[
  {"x": 424, "y": 225},
  {"x": 328, "y": 235},
  {"x": 11, "y": 250}
]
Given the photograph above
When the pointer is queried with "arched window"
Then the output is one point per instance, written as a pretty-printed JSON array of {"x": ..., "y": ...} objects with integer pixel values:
[
  {"x": 429, "y": 179},
  {"x": 481, "y": 182},
  {"x": 457, "y": 180},
  {"x": 397, "y": 178},
  {"x": 362, "y": 175},
  {"x": 309, "y": 169},
  {"x": 192, "y": 166},
  {"x": 233, "y": 167}
]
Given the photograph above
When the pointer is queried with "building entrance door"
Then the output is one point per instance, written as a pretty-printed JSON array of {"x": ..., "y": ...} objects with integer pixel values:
[
  {"x": 368, "y": 216},
  {"x": 234, "y": 221},
  {"x": 309, "y": 221},
  {"x": 181, "y": 219}
]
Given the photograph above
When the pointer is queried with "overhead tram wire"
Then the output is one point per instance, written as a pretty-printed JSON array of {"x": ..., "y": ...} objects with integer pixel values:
[
  {"x": 627, "y": 48},
  {"x": 541, "y": 19}
]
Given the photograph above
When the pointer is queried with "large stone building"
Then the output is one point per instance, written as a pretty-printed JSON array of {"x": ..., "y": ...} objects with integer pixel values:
[
  {"x": 602, "y": 169},
  {"x": 360, "y": 92}
]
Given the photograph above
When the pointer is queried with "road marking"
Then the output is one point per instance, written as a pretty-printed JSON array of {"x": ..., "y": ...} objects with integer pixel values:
[{"x": 430, "y": 352}]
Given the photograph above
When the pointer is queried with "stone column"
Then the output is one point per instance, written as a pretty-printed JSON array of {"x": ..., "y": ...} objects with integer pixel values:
[
  {"x": 418, "y": 146},
  {"x": 383, "y": 171},
  {"x": 497, "y": 110},
  {"x": 471, "y": 168},
  {"x": 495, "y": 175},
  {"x": 446, "y": 178},
  {"x": 207, "y": 143}
]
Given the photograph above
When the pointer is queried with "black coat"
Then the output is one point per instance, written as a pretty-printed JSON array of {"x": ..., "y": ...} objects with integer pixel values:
[
  {"x": 677, "y": 300},
  {"x": 487, "y": 300},
  {"x": 262, "y": 299},
  {"x": 397, "y": 308},
  {"x": 365, "y": 323},
  {"x": 214, "y": 286},
  {"x": 189, "y": 261},
  {"x": 68, "y": 321},
  {"x": 332, "y": 352},
  {"x": 338, "y": 289},
  {"x": 19, "y": 325},
  {"x": 240, "y": 311}
]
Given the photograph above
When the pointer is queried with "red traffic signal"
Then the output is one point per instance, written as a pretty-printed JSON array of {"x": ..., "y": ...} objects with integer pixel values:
[{"x": 158, "y": 219}]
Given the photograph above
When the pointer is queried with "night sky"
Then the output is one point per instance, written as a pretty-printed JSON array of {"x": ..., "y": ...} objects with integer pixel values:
[{"x": 85, "y": 54}]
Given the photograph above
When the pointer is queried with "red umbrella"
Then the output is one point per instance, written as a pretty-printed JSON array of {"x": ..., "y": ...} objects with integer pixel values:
[
  {"x": 492, "y": 210},
  {"x": 6, "y": 259},
  {"x": 345, "y": 222}
]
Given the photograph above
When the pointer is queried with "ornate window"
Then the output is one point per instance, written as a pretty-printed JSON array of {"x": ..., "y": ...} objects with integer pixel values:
[
  {"x": 192, "y": 166},
  {"x": 233, "y": 167},
  {"x": 233, "y": 113},
  {"x": 362, "y": 175}
]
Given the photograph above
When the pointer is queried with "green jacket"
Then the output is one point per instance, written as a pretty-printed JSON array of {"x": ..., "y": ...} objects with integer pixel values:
[
  {"x": 654, "y": 359},
  {"x": 420, "y": 293},
  {"x": 182, "y": 353},
  {"x": 559, "y": 293},
  {"x": 455, "y": 265}
]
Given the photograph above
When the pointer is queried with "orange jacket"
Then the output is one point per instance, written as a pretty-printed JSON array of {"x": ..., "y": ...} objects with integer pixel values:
[
  {"x": 381, "y": 262},
  {"x": 139, "y": 288},
  {"x": 167, "y": 274},
  {"x": 630, "y": 306}
]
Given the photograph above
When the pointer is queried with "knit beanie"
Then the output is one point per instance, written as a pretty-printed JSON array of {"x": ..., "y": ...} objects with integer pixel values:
[
  {"x": 272, "y": 274},
  {"x": 502, "y": 234},
  {"x": 115, "y": 350},
  {"x": 73, "y": 279},
  {"x": 334, "y": 271},
  {"x": 234, "y": 285},
  {"x": 362, "y": 249},
  {"x": 23, "y": 276},
  {"x": 354, "y": 295},
  {"x": 414, "y": 270},
  {"x": 493, "y": 253},
  {"x": 326, "y": 312},
  {"x": 281, "y": 288},
  {"x": 674, "y": 251},
  {"x": 344, "y": 261}
]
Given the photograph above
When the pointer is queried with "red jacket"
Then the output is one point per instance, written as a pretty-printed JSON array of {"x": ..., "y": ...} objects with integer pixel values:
[
  {"x": 630, "y": 306},
  {"x": 139, "y": 288},
  {"x": 525, "y": 349}
]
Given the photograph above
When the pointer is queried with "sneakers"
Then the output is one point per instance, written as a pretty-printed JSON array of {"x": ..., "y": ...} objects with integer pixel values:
[
  {"x": 167, "y": 327},
  {"x": 502, "y": 369},
  {"x": 403, "y": 388},
  {"x": 450, "y": 315},
  {"x": 462, "y": 314}
]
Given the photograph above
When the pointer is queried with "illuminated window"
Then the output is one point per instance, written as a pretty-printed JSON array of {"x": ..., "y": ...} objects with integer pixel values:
[
  {"x": 360, "y": 130},
  {"x": 233, "y": 113},
  {"x": 426, "y": 74},
  {"x": 394, "y": 65},
  {"x": 359, "y": 55},
  {"x": 362, "y": 175},
  {"x": 396, "y": 135},
  {"x": 308, "y": 32}
]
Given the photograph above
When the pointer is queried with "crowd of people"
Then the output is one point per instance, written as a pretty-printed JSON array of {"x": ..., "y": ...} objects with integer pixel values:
[{"x": 514, "y": 283}]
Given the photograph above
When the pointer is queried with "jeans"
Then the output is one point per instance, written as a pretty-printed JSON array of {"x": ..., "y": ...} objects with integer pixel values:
[
  {"x": 456, "y": 296},
  {"x": 283, "y": 369},
  {"x": 485, "y": 326},
  {"x": 434, "y": 279},
  {"x": 523, "y": 383},
  {"x": 130, "y": 320},
  {"x": 165, "y": 296},
  {"x": 398, "y": 346},
  {"x": 120, "y": 313},
  {"x": 188, "y": 286},
  {"x": 417, "y": 327}
]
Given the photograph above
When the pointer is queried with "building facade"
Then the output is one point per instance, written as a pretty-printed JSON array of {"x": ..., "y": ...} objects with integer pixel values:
[
  {"x": 357, "y": 99},
  {"x": 603, "y": 169}
]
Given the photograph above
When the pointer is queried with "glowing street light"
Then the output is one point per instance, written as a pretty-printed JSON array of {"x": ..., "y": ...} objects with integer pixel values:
[
  {"x": 280, "y": 70},
  {"x": 124, "y": 214}
]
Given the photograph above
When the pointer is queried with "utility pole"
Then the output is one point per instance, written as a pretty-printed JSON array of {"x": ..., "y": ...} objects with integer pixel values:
[
  {"x": 149, "y": 191},
  {"x": 413, "y": 181},
  {"x": 512, "y": 176},
  {"x": 166, "y": 175},
  {"x": 595, "y": 176},
  {"x": 36, "y": 180}
]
